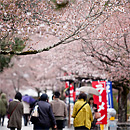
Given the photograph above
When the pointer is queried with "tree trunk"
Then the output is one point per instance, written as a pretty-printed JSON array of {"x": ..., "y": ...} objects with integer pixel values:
[{"x": 122, "y": 104}]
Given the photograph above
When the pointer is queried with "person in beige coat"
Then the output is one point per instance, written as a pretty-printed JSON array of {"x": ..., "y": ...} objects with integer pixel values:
[
  {"x": 16, "y": 112},
  {"x": 26, "y": 112},
  {"x": 59, "y": 109}
]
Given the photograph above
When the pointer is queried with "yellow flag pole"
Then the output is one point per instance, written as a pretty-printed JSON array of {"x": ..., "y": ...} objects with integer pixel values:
[{"x": 101, "y": 127}]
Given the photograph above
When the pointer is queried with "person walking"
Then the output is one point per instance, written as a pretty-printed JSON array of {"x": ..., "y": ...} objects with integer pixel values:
[
  {"x": 59, "y": 109},
  {"x": 46, "y": 119},
  {"x": 94, "y": 112},
  {"x": 92, "y": 105},
  {"x": 82, "y": 113},
  {"x": 26, "y": 112},
  {"x": 15, "y": 111},
  {"x": 3, "y": 108}
]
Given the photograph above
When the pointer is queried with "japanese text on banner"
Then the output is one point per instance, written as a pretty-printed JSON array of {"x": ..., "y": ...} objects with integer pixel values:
[{"x": 101, "y": 100}]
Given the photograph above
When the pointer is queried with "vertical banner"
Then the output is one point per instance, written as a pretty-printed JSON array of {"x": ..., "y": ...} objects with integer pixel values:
[
  {"x": 72, "y": 93},
  {"x": 109, "y": 95},
  {"x": 70, "y": 96},
  {"x": 101, "y": 100}
]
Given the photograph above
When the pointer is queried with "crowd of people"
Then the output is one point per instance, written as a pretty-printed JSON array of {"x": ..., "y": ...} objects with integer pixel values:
[{"x": 51, "y": 114}]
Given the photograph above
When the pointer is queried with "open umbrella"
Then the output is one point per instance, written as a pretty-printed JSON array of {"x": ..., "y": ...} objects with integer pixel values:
[
  {"x": 28, "y": 99},
  {"x": 89, "y": 90}
]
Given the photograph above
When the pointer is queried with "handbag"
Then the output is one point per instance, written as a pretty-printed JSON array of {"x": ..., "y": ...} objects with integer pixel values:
[
  {"x": 34, "y": 114},
  {"x": 97, "y": 115},
  {"x": 35, "y": 111}
]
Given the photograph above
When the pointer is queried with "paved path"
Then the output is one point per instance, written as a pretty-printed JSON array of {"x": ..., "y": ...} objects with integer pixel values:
[{"x": 29, "y": 127}]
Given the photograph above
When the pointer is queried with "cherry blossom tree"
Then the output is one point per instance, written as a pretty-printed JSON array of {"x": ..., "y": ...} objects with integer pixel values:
[
  {"x": 50, "y": 18},
  {"x": 16, "y": 77},
  {"x": 25, "y": 73},
  {"x": 109, "y": 50}
]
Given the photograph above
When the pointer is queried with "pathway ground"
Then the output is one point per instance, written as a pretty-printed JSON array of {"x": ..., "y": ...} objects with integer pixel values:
[{"x": 29, "y": 127}]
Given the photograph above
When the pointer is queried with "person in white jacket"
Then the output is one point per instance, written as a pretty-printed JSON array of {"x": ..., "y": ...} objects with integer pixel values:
[{"x": 26, "y": 112}]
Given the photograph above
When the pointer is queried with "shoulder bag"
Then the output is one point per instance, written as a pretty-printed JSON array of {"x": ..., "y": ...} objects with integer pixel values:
[
  {"x": 9, "y": 115},
  {"x": 34, "y": 114}
]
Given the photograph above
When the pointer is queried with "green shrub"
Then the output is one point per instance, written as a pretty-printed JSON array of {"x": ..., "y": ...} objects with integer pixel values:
[{"x": 5, "y": 45}]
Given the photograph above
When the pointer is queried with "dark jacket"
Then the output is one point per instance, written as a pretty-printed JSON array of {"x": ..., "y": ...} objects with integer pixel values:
[
  {"x": 46, "y": 117},
  {"x": 16, "y": 117}
]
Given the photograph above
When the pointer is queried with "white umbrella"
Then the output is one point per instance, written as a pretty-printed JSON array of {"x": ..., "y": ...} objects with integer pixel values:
[{"x": 89, "y": 90}]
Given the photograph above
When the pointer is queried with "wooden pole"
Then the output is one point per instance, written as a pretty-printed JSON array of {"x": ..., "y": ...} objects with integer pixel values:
[{"x": 69, "y": 108}]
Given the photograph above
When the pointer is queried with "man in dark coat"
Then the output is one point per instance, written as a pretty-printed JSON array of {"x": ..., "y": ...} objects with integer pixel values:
[
  {"x": 16, "y": 112},
  {"x": 46, "y": 118}
]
